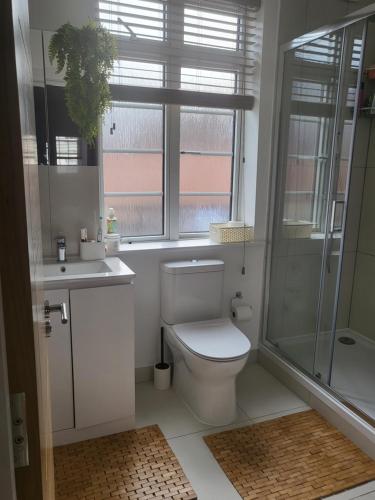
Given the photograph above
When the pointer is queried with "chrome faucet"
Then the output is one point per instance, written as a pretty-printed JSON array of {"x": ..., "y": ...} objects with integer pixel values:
[{"x": 61, "y": 249}]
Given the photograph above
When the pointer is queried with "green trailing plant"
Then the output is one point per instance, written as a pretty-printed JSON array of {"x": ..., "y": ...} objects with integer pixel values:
[{"x": 88, "y": 54}]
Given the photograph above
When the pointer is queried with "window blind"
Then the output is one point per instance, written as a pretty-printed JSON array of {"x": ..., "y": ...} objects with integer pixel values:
[{"x": 184, "y": 47}]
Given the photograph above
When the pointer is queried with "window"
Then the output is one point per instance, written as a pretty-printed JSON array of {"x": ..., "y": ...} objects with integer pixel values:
[
  {"x": 68, "y": 150},
  {"x": 134, "y": 142},
  {"x": 206, "y": 142},
  {"x": 184, "y": 75},
  {"x": 133, "y": 167}
]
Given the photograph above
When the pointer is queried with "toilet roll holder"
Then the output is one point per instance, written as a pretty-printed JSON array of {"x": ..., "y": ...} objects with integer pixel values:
[{"x": 237, "y": 303}]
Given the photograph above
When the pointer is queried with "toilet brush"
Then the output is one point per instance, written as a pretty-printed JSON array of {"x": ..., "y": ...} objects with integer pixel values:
[{"x": 162, "y": 370}]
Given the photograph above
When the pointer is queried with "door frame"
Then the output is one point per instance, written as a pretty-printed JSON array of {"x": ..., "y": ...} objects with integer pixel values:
[
  {"x": 273, "y": 198},
  {"x": 7, "y": 477},
  {"x": 21, "y": 255}
]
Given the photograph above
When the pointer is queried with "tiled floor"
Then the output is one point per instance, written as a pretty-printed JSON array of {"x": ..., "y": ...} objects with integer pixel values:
[{"x": 260, "y": 397}]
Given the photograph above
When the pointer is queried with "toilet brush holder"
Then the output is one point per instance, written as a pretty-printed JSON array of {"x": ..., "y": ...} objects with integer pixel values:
[
  {"x": 162, "y": 370},
  {"x": 162, "y": 376}
]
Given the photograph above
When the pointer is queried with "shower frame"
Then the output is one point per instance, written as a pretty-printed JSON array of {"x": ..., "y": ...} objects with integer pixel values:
[{"x": 273, "y": 197}]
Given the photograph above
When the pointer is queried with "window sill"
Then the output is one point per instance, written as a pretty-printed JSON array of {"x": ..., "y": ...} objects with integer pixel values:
[{"x": 183, "y": 244}]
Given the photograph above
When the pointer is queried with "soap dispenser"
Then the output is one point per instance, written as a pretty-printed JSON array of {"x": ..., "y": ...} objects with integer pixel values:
[{"x": 111, "y": 222}]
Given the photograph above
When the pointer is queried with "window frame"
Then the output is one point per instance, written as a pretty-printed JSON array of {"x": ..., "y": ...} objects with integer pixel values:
[
  {"x": 171, "y": 176},
  {"x": 189, "y": 55}
]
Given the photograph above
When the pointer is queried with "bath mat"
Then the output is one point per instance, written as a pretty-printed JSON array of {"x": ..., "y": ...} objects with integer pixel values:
[
  {"x": 137, "y": 464},
  {"x": 300, "y": 456}
]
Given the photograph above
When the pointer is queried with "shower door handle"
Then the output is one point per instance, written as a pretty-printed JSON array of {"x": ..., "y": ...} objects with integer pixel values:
[{"x": 334, "y": 229}]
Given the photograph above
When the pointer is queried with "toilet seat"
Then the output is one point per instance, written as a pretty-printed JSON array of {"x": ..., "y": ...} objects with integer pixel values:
[{"x": 214, "y": 340}]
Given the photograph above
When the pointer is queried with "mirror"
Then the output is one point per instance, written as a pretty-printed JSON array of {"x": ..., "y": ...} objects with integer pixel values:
[{"x": 68, "y": 167}]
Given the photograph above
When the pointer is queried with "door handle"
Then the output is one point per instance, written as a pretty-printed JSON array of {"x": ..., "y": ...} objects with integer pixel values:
[
  {"x": 56, "y": 308},
  {"x": 333, "y": 228}
]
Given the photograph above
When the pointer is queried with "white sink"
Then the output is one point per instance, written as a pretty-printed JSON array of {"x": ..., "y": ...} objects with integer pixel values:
[
  {"x": 72, "y": 268},
  {"x": 78, "y": 273}
]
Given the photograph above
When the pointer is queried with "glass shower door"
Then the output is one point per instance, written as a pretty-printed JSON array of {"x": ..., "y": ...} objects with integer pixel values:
[
  {"x": 330, "y": 317},
  {"x": 307, "y": 141}
]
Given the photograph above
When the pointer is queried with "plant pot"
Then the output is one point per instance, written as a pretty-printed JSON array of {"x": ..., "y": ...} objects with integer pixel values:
[{"x": 162, "y": 376}]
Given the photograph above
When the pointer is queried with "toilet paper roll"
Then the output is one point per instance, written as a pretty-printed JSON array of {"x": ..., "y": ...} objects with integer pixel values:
[{"x": 242, "y": 313}]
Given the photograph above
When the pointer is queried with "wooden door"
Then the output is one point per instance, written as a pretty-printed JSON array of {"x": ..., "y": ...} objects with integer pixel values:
[{"x": 20, "y": 250}]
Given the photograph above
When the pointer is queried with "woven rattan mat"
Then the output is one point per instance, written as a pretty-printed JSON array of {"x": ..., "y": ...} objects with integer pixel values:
[
  {"x": 300, "y": 456},
  {"x": 137, "y": 464}
]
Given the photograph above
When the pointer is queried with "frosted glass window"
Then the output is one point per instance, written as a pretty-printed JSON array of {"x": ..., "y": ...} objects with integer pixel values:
[
  {"x": 206, "y": 130},
  {"x": 133, "y": 172},
  {"x": 206, "y": 161},
  {"x": 197, "y": 212},
  {"x": 137, "y": 215},
  {"x": 133, "y": 167},
  {"x": 209, "y": 174},
  {"x": 136, "y": 127}
]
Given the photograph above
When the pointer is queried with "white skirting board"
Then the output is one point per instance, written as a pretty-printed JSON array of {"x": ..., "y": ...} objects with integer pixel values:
[
  {"x": 75, "y": 435},
  {"x": 350, "y": 424}
]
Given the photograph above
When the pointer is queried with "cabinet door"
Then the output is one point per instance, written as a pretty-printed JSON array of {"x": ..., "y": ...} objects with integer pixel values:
[
  {"x": 60, "y": 364},
  {"x": 103, "y": 354}
]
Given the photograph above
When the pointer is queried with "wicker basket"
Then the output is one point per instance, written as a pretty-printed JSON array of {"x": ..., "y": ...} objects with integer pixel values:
[{"x": 222, "y": 233}]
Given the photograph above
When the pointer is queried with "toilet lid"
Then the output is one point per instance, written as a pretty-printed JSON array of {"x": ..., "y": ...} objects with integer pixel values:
[{"x": 216, "y": 339}]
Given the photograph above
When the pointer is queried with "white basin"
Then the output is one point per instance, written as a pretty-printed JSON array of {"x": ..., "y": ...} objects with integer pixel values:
[
  {"x": 68, "y": 269},
  {"x": 78, "y": 273}
]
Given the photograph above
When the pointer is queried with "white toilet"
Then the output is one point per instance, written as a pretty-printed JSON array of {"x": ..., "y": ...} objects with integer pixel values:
[{"x": 208, "y": 351}]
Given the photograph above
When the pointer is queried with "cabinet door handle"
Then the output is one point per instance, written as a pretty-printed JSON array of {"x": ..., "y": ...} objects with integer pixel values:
[{"x": 56, "y": 308}]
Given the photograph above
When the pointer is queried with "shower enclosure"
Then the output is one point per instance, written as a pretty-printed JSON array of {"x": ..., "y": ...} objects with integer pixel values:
[{"x": 325, "y": 122}]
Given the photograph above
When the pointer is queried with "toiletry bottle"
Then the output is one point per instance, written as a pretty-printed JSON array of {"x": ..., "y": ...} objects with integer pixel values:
[
  {"x": 99, "y": 237},
  {"x": 111, "y": 222},
  {"x": 83, "y": 235}
]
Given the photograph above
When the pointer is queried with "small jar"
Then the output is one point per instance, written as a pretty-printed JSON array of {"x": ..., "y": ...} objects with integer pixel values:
[{"x": 113, "y": 243}]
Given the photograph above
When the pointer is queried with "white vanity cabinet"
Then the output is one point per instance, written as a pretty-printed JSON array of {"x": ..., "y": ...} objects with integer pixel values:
[
  {"x": 103, "y": 354},
  {"x": 92, "y": 361}
]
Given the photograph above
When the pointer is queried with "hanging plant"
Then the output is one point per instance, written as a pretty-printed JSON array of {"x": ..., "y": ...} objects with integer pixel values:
[{"x": 88, "y": 54}]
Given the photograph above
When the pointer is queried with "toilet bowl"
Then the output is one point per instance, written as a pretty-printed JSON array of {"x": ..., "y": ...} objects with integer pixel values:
[
  {"x": 208, "y": 356},
  {"x": 208, "y": 351}
]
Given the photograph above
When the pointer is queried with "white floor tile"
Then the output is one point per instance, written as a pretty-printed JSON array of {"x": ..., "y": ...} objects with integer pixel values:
[
  {"x": 261, "y": 397},
  {"x": 368, "y": 496},
  {"x": 364, "y": 492},
  {"x": 200, "y": 466},
  {"x": 167, "y": 410},
  {"x": 206, "y": 477},
  {"x": 259, "y": 393}
]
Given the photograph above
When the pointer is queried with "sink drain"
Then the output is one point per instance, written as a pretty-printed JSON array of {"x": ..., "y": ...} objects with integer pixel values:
[{"x": 346, "y": 340}]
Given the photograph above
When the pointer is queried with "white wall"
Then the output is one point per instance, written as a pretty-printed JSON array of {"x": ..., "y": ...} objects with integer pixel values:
[{"x": 301, "y": 16}]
